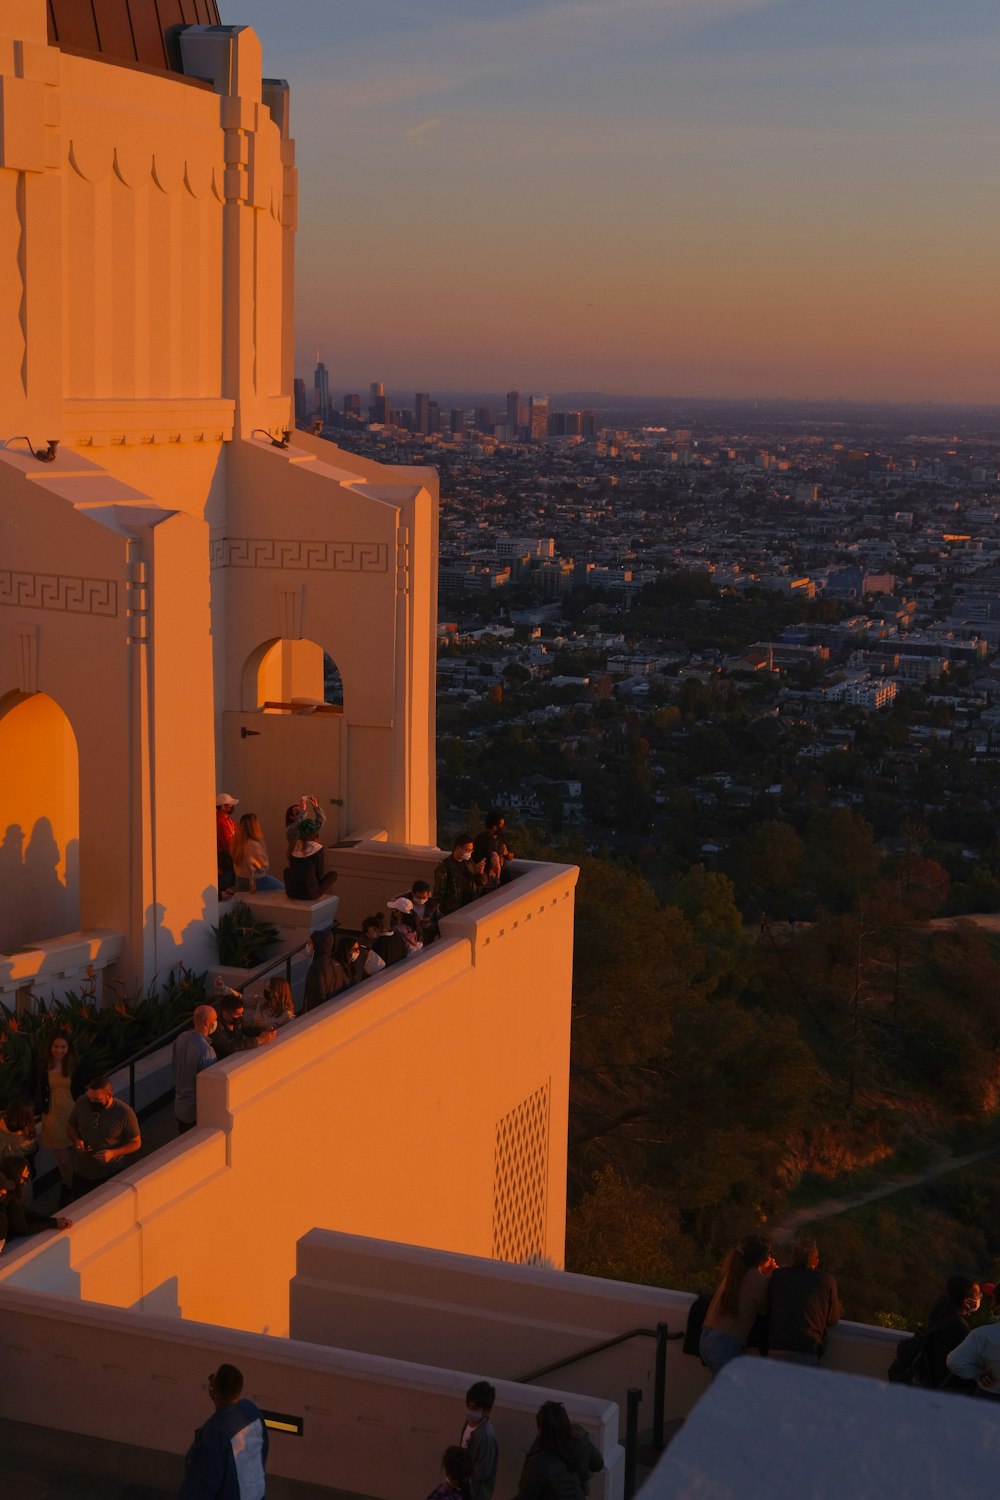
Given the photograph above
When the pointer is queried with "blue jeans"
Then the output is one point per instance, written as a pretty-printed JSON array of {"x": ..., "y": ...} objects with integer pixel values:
[
  {"x": 717, "y": 1349},
  {"x": 263, "y": 882}
]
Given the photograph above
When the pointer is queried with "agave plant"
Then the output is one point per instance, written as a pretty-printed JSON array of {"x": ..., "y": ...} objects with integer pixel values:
[{"x": 243, "y": 938}]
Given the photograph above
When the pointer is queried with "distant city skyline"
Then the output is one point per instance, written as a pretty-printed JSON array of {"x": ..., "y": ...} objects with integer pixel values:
[{"x": 717, "y": 198}]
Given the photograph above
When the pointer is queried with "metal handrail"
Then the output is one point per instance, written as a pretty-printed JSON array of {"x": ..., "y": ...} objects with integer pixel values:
[
  {"x": 272, "y": 963},
  {"x": 572, "y": 1359},
  {"x": 170, "y": 1036},
  {"x": 661, "y": 1333}
]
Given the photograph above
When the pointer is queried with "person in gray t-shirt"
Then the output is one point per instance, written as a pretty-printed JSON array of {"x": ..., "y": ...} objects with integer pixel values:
[
  {"x": 103, "y": 1130},
  {"x": 192, "y": 1052}
]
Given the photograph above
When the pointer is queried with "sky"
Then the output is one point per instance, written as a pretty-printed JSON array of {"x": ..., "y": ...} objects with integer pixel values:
[{"x": 661, "y": 197}]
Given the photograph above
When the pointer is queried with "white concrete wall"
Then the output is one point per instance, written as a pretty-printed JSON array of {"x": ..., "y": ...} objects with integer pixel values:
[
  {"x": 375, "y": 1116},
  {"x": 370, "y": 1426},
  {"x": 372, "y": 1296}
]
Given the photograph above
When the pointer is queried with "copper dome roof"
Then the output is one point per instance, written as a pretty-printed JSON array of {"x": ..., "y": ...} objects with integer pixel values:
[{"x": 127, "y": 31}]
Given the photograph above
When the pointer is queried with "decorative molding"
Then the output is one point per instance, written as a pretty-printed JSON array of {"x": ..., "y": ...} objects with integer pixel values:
[
  {"x": 75, "y": 596},
  {"x": 27, "y": 658},
  {"x": 313, "y": 556},
  {"x": 290, "y": 601}
]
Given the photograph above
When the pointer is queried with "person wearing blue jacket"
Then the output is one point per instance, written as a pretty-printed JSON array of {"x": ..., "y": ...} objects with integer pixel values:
[{"x": 227, "y": 1458}]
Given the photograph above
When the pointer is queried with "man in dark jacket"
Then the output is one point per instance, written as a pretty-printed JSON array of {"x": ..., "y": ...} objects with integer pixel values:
[
  {"x": 229, "y": 1037},
  {"x": 479, "y": 1440},
  {"x": 802, "y": 1304},
  {"x": 227, "y": 1458},
  {"x": 459, "y": 879}
]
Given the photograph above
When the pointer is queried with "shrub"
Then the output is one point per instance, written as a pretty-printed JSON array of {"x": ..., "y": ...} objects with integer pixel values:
[{"x": 243, "y": 938}]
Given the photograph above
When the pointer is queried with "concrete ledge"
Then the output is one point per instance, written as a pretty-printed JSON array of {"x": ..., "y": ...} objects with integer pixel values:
[{"x": 276, "y": 907}]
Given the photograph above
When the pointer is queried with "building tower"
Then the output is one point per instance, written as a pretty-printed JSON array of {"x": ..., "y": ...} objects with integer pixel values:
[
  {"x": 538, "y": 418},
  {"x": 321, "y": 392}
]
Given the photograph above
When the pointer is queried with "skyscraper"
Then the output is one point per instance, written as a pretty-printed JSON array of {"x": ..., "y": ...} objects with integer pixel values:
[
  {"x": 321, "y": 389},
  {"x": 301, "y": 401},
  {"x": 515, "y": 416},
  {"x": 421, "y": 412},
  {"x": 538, "y": 418}
]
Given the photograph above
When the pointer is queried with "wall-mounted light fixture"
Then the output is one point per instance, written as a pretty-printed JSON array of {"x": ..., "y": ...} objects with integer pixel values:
[
  {"x": 44, "y": 455},
  {"x": 276, "y": 442}
]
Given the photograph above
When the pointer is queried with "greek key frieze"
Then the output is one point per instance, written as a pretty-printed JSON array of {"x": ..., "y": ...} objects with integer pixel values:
[
  {"x": 76, "y": 596},
  {"x": 325, "y": 557}
]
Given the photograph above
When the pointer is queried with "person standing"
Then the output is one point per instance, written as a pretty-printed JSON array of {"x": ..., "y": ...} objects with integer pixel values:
[
  {"x": 229, "y": 1036},
  {"x": 739, "y": 1300},
  {"x": 479, "y": 1440},
  {"x": 104, "y": 1130},
  {"x": 802, "y": 1306},
  {"x": 225, "y": 833},
  {"x": 457, "y": 880},
  {"x": 192, "y": 1052},
  {"x": 50, "y": 1090},
  {"x": 228, "y": 1457},
  {"x": 947, "y": 1324}
]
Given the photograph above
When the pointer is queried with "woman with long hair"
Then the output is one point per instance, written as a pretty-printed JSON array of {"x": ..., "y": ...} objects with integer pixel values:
[
  {"x": 740, "y": 1298},
  {"x": 561, "y": 1459},
  {"x": 51, "y": 1089},
  {"x": 273, "y": 1007},
  {"x": 250, "y": 857}
]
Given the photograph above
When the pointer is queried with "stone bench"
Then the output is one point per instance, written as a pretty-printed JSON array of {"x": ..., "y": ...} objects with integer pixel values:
[{"x": 276, "y": 907}]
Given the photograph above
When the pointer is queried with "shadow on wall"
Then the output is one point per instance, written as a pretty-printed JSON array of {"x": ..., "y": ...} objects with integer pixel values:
[
  {"x": 36, "y": 903},
  {"x": 194, "y": 946}
]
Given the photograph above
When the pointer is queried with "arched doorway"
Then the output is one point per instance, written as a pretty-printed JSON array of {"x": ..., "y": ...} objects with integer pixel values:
[
  {"x": 288, "y": 738},
  {"x": 39, "y": 821}
]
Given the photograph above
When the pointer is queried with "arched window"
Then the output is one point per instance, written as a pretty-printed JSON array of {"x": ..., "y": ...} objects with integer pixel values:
[{"x": 39, "y": 821}]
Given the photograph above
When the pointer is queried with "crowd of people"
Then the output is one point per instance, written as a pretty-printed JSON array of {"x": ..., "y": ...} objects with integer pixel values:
[
  {"x": 786, "y": 1313},
  {"x": 476, "y": 865},
  {"x": 243, "y": 861},
  {"x": 228, "y": 1457}
]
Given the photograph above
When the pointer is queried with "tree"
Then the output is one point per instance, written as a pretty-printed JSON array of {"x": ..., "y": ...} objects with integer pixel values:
[
  {"x": 767, "y": 867},
  {"x": 841, "y": 857}
]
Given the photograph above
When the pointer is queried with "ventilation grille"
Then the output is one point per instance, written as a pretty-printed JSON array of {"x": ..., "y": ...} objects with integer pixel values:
[{"x": 520, "y": 1178}]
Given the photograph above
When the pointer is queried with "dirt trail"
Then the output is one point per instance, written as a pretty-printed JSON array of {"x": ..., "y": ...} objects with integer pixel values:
[{"x": 831, "y": 1207}]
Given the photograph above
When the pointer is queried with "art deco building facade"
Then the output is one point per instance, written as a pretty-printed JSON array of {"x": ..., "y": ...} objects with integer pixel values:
[{"x": 370, "y": 1211}]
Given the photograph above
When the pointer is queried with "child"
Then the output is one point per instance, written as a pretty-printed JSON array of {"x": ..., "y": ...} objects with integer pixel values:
[{"x": 455, "y": 1485}]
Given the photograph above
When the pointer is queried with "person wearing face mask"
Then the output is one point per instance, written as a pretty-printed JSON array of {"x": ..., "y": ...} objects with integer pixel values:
[
  {"x": 192, "y": 1052},
  {"x": 479, "y": 1440},
  {"x": 459, "y": 879},
  {"x": 104, "y": 1130},
  {"x": 16, "y": 1218}
]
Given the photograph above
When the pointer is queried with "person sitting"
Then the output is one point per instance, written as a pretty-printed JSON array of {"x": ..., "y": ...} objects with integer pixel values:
[
  {"x": 306, "y": 878},
  {"x": 739, "y": 1300},
  {"x": 306, "y": 807},
  {"x": 457, "y": 880},
  {"x": 229, "y": 1036},
  {"x": 225, "y": 832},
  {"x": 250, "y": 857},
  {"x": 403, "y": 922},
  {"x": 272, "y": 1008},
  {"x": 947, "y": 1324},
  {"x": 492, "y": 848},
  {"x": 16, "y": 1218}
]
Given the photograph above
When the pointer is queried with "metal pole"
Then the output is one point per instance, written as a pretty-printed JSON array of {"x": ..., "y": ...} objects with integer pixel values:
[
  {"x": 631, "y": 1438},
  {"x": 660, "y": 1385}
]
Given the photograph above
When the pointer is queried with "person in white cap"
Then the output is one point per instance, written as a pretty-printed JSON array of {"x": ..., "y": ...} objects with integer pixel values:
[
  {"x": 225, "y": 832},
  {"x": 404, "y": 923}
]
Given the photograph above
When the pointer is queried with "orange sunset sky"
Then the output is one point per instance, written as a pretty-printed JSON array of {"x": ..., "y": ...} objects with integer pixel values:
[{"x": 688, "y": 197}]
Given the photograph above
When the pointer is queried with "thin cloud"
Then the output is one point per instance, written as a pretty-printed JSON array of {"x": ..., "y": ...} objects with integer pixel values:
[{"x": 424, "y": 128}]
